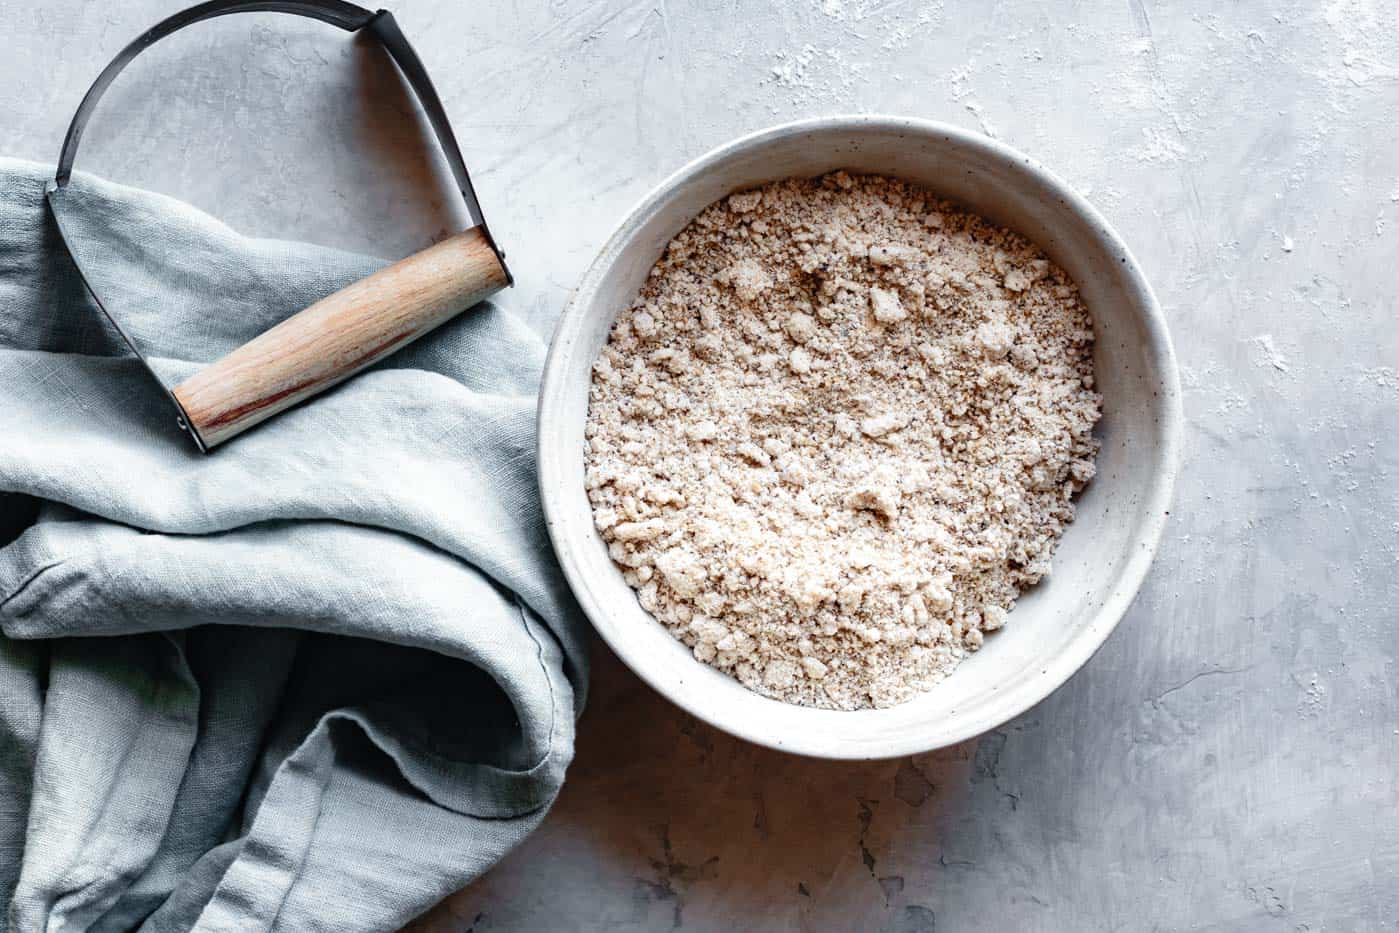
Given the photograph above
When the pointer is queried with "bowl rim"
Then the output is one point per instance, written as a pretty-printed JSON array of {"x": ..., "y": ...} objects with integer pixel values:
[{"x": 1056, "y": 670}]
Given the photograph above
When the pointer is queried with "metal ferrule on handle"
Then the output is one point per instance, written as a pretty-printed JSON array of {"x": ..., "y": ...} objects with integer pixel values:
[{"x": 344, "y": 332}]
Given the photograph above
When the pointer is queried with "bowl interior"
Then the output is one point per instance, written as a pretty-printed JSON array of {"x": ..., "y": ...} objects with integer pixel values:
[{"x": 1100, "y": 561}]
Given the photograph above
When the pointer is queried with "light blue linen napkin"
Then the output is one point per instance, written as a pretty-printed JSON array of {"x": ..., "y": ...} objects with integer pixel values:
[{"x": 316, "y": 680}]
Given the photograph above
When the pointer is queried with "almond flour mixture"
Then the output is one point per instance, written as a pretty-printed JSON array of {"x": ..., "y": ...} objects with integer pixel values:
[{"x": 837, "y": 434}]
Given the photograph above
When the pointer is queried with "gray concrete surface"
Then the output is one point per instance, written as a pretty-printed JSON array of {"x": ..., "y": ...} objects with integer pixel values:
[{"x": 1229, "y": 760}]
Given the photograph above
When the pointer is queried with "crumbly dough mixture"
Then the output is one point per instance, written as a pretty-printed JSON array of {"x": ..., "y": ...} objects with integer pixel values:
[{"x": 837, "y": 434}]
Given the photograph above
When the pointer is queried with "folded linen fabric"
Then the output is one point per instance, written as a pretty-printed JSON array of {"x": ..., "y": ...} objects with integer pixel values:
[{"x": 318, "y": 679}]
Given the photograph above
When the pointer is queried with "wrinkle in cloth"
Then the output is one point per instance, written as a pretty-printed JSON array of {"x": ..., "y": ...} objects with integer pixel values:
[{"x": 316, "y": 680}]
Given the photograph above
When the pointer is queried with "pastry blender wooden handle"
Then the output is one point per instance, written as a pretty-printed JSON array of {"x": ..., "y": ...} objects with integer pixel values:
[{"x": 339, "y": 335}]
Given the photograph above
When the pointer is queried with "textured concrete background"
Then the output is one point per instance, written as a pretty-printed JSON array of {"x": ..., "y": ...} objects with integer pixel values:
[{"x": 1230, "y": 760}]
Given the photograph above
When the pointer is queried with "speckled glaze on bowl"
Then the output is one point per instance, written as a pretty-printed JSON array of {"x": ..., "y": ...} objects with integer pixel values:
[{"x": 1101, "y": 560}]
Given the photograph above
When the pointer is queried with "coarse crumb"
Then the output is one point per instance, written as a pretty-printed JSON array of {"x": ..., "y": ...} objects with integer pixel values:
[{"x": 837, "y": 434}]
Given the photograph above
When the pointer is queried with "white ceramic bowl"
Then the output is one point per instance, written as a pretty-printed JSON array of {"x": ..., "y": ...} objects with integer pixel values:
[{"x": 1102, "y": 558}]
